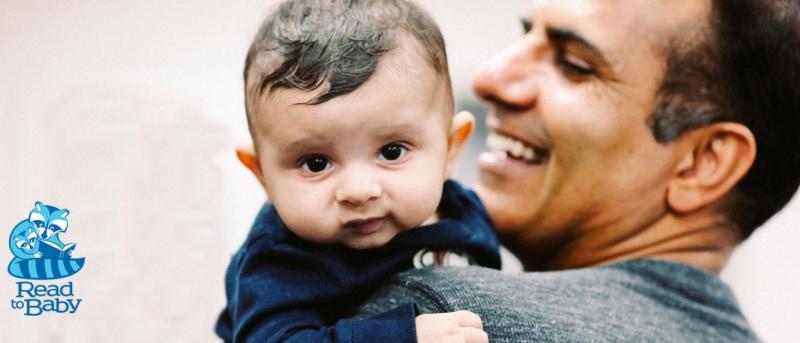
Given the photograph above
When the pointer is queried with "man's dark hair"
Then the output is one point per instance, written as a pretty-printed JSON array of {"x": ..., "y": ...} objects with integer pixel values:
[
  {"x": 308, "y": 44},
  {"x": 744, "y": 67}
]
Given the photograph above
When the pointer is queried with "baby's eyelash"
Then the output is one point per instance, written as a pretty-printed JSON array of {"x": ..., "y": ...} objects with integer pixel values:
[
  {"x": 393, "y": 152},
  {"x": 315, "y": 164}
]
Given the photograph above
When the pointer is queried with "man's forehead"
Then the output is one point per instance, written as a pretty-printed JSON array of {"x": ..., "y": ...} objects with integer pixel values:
[
  {"x": 615, "y": 24},
  {"x": 666, "y": 8}
]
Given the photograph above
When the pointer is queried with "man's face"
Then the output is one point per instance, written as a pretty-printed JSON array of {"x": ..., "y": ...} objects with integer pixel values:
[
  {"x": 361, "y": 167},
  {"x": 571, "y": 150}
]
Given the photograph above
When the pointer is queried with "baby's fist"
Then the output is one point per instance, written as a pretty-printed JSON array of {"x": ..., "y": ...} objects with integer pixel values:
[{"x": 455, "y": 327}]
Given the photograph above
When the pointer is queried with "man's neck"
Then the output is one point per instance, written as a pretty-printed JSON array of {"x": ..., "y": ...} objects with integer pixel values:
[{"x": 703, "y": 241}]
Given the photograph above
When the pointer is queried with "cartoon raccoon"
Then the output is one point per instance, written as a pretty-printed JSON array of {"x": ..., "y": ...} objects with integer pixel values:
[
  {"x": 24, "y": 243},
  {"x": 38, "y": 251},
  {"x": 49, "y": 221}
]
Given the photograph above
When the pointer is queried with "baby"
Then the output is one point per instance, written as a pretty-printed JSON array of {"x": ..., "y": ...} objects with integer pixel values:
[{"x": 350, "y": 108}]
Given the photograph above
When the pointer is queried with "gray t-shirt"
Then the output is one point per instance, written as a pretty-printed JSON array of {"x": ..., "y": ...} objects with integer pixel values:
[{"x": 640, "y": 300}]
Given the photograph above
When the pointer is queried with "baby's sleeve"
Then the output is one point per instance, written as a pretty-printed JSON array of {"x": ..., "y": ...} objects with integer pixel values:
[{"x": 278, "y": 293}]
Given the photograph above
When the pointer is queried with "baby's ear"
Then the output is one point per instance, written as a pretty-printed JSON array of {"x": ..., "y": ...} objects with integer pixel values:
[
  {"x": 460, "y": 129},
  {"x": 247, "y": 155}
]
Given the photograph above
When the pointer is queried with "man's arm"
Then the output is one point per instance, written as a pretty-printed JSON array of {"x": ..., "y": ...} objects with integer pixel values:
[{"x": 641, "y": 300}]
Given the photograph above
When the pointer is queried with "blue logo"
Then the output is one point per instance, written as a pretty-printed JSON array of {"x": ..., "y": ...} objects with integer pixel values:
[{"x": 39, "y": 253}]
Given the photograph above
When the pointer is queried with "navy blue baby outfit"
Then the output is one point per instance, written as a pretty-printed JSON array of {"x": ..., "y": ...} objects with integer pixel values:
[{"x": 281, "y": 288}]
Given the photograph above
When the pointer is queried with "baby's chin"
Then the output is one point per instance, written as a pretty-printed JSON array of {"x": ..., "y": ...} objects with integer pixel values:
[
  {"x": 390, "y": 229},
  {"x": 373, "y": 241},
  {"x": 370, "y": 241}
]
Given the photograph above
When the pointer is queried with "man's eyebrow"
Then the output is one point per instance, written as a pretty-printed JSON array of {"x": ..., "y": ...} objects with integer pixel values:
[{"x": 565, "y": 36}]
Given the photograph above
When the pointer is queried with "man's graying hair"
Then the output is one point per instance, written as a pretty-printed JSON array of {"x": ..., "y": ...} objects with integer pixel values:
[
  {"x": 336, "y": 44},
  {"x": 743, "y": 67}
]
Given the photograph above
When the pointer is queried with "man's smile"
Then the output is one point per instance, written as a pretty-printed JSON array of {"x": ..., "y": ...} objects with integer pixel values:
[{"x": 503, "y": 146}]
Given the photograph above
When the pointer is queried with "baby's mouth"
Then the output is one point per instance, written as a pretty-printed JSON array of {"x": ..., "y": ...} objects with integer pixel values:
[
  {"x": 365, "y": 226},
  {"x": 506, "y": 147}
]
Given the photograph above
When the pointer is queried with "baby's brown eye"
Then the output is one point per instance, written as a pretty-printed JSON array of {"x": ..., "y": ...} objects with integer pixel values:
[
  {"x": 392, "y": 152},
  {"x": 315, "y": 164}
]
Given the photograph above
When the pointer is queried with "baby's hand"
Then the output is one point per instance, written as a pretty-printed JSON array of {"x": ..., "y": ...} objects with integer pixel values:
[{"x": 456, "y": 327}]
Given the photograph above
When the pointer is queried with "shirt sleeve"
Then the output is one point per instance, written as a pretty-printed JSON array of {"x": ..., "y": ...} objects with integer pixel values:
[
  {"x": 282, "y": 294},
  {"x": 396, "y": 325}
]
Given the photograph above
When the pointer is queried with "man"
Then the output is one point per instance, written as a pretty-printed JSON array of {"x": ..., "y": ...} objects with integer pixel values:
[{"x": 634, "y": 145}]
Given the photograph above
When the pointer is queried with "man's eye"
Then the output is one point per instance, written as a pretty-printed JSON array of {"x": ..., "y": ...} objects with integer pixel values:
[
  {"x": 574, "y": 67},
  {"x": 392, "y": 152},
  {"x": 315, "y": 164}
]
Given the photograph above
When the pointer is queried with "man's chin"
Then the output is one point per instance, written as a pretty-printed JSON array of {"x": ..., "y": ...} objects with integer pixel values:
[{"x": 500, "y": 207}]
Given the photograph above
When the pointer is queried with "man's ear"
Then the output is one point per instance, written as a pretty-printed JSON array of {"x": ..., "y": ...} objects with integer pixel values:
[
  {"x": 460, "y": 129},
  {"x": 718, "y": 156},
  {"x": 247, "y": 155}
]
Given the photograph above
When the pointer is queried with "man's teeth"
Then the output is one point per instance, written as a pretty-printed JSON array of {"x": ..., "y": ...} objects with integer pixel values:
[{"x": 513, "y": 147}]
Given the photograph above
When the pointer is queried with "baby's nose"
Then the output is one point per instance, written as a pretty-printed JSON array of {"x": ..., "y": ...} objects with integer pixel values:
[{"x": 358, "y": 188}]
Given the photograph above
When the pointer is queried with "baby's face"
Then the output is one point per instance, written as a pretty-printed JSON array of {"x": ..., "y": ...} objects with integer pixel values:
[{"x": 362, "y": 167}]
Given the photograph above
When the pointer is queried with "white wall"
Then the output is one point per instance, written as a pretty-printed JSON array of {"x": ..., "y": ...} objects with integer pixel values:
[{"x": 127, "y": 112}]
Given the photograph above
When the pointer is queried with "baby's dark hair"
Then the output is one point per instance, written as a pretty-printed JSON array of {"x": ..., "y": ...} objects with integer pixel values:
[{"x": 336, "y": 44}]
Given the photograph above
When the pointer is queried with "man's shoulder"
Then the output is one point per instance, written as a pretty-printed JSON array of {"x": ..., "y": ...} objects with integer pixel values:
[
  {"x": 635, "y": 300},
  {"x": 450, "y": 289}
]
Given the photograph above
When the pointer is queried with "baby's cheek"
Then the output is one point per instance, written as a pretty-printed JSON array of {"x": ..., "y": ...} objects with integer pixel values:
[
  {"x": 419, "y": 201},
  {"x": 309, "y": 228},
  {"x": 306, "y": 222}
]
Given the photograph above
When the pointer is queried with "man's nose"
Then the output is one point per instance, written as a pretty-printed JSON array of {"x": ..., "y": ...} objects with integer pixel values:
[
  {"x": 358, "y": 186},
  {"x": 509, "y": 78}
]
